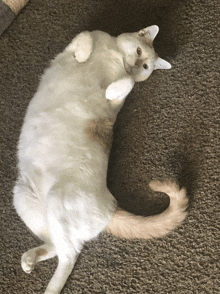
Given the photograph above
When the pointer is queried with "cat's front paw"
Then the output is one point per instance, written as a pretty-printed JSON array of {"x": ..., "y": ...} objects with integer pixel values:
[
  {"x": 28, "y": 261},
  {"x": 81, "y": 46},
  {"x": 111, "y": 93},
  {"x": 84, "y": 47},
  {"x": 120, "y": 89},
  {"x": 82, "y": 55}
]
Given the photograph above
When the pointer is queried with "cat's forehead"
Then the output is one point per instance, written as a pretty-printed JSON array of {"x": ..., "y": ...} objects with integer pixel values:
[{"x": 147, "y": 48}]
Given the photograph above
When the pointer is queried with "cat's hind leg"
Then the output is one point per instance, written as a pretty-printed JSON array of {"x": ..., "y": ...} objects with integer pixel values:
[
  {"x": 81, "y": 46},
  {"x": 63, "y": 270},
  {"x": 31, "y": 208},
  {"x": 67, "y": 247},
  {"x": 37, "y": 254},
  {"x": 32, "y": 211}
]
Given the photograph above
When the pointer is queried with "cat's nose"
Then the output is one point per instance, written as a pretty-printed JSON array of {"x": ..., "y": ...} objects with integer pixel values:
[{"x": 138, "y": 62}]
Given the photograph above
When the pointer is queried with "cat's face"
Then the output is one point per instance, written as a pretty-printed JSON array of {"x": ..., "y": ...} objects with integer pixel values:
[{"x": 140, "y": 58}]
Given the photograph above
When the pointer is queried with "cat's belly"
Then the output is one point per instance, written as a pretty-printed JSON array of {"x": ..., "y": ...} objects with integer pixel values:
[{"x": 56, "y": 144}]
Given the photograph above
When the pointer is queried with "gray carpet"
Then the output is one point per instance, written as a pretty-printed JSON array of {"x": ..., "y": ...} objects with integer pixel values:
[{"x": 168, "y": 127}]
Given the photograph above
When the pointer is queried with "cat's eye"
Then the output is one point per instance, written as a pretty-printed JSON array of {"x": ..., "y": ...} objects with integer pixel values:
[
  {"x": 139, "y": 51},
  {"x": 145, "y": 66}
]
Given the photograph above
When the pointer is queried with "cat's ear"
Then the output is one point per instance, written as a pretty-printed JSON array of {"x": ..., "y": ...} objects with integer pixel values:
[
  {"x": 149, "y": 33},
  {"x": 161, "y": 64}
]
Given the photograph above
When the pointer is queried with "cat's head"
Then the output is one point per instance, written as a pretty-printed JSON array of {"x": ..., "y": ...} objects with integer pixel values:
[{"x": 140, "y": 59}]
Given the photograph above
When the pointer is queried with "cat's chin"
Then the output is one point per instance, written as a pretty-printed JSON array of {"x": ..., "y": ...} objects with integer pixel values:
[{"x": 140, "y": 77}]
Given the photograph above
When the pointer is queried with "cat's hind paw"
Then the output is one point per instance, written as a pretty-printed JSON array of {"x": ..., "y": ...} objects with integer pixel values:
[{"x": 28, "y": 261}]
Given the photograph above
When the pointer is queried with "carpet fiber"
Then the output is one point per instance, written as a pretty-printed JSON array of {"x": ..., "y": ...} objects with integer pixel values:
[{"x": 168, "y": 127}]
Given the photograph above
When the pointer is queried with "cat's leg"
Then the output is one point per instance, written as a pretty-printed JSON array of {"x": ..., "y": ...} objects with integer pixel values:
[
  {"x": 37, "y": 254},
  {"x": 120, "y": 89},
  {"x": 67, "y": 249},
  {"x": 30, "y": 208},
  {"x": 32, "y": 212},
  {"x": 81, "y": 46},
  {"x": 64, "y": 269}
]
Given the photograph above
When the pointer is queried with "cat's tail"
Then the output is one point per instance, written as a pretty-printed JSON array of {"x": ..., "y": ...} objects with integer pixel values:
[{"x": 127, "y": 225}]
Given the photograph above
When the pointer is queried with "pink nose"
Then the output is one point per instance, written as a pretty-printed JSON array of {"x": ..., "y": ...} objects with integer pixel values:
[{"x": 140, "y": 62}]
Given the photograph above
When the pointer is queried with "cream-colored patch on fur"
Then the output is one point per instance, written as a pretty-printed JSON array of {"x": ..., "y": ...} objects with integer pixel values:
[
  {"x": 100, "y": 131},
  {"x": 126, "y": 225},
  {"x": 41, "y": 252}
]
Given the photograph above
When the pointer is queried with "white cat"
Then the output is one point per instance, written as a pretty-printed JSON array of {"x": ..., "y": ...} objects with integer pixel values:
[{"x": 61, "y": 191}]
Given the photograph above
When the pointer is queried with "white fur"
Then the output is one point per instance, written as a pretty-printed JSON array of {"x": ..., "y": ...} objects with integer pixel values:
[
  {"x": 120, "y": 89},
  {"x": 82, "y": 46},
  {"x": 61, "y": 191}
]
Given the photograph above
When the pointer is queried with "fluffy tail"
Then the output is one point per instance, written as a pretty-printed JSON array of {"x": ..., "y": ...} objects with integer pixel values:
[{"x": 126, "y": 225}]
